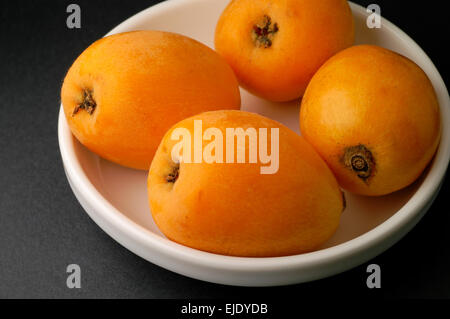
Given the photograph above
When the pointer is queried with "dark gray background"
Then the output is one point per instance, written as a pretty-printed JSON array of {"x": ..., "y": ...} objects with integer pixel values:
[{"x": 43, "y": 228}]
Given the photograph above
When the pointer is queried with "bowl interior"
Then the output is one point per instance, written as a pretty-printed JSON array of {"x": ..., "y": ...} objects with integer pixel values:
[{"x": 125, "y": 188}]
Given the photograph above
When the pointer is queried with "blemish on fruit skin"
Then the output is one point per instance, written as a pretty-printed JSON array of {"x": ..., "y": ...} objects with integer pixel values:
[
  {"x": 264, "y": 32},
  {"x": 344, "y": 201},
  {"x": 173, "y": 175},
  {"x": 88, "y": 103},
  {"x": 360, "y": 160}
]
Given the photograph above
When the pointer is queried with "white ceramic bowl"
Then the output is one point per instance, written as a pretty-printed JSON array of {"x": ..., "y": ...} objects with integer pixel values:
[{"x": 116, "y": 197}]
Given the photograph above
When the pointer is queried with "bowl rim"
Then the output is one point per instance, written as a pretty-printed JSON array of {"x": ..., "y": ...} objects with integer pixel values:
[{"x": 419, "y": 200}]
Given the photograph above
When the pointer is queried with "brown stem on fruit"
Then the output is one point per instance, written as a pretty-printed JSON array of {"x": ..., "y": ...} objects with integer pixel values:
[
  {"x": 88, "y": 103},
  {"x": 173, "y": 175},
  {"x": 360, "y": 160},
  {"x": 264, "y": 32}
]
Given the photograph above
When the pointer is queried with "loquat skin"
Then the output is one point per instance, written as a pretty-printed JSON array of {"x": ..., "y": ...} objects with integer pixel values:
[
  {"x": 125, "y": 91},
  {"x": 233, "y": 209},
  {"x": 373, "y": 115},
  {"x": 276, "y": 46}
]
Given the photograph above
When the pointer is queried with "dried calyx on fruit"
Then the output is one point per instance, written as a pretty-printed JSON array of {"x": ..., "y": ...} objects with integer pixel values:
[
  {"x": 173, "y": 175},
  {"x": 360, "y": 160},
  {"x": 264, "y": 32},
  {"x": 88, "y": 103}
]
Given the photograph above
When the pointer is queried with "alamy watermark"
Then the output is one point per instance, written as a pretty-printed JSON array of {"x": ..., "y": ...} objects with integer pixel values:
[
  {"x": 213, "y": 152},
  {"x": 374, "y": 279},
  {"x": 73, "y": 21},
  {"x": 74, "y": 278},
  {"x": 374, "y": 19}
]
